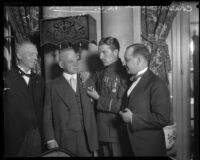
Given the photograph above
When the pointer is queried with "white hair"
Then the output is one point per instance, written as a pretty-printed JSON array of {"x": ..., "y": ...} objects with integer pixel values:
[{"x": 21, "y": 44}]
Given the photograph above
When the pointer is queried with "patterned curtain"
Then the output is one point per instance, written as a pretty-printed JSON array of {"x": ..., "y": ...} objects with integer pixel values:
[
  {"x": 156, "y": 24},
  {"x": 25, "y": 24}
]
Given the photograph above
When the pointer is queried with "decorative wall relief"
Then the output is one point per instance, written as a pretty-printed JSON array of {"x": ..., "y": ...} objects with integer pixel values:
[{"x": 69, "y": 29}]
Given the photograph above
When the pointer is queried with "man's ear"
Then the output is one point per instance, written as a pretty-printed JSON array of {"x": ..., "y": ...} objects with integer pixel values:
[
  {"x": 60, "y": 63},
  {"x": 139, "y": 59},
  {"x": 116, "y": 52},
  {"x": 19, "y": 56}
]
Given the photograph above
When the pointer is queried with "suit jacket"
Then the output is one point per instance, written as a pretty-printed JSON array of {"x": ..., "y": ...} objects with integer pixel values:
[
  {"x": 20, "y": 114},
  {"x": 150, "y": 104},
  {"x": 61, "y": 116}
]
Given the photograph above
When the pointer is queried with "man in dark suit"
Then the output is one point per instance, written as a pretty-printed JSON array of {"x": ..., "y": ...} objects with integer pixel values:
[
  {"x": 23, "y": 105},
  {"x": 147, "y": 105},
  {"x": 69, "y": 119}
]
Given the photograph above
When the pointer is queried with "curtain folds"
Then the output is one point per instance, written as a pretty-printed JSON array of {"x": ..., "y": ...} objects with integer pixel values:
[{"x": 156, "y": 24}]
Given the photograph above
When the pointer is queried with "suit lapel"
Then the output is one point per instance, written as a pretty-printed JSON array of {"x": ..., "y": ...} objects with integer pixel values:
[
  {"x": 83, "y": 97},
  {"x": 141, "y": 83},
  {"x": 82, "y": 92},
  {"x": 80, "y": 86},
  {"x": 65, "y": 91},
  {"x": 34, "y": 82}
]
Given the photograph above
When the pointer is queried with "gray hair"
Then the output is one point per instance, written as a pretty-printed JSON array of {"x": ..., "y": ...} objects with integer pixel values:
[{"x": 21, "y": 44}]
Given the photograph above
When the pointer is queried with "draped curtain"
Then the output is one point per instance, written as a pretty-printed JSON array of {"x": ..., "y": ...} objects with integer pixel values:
[
  {"x": 25, "y": 24},
  {"x": 156, "y": 23}
]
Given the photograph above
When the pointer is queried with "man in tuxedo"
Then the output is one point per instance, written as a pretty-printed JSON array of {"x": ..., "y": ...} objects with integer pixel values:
[
  {"x": 23, "y": 105},
  {"x": 147, "y": 105},
  {"x": 69, "y": 119}
]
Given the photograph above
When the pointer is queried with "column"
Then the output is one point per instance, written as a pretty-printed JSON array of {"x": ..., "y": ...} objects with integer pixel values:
[
  {"x": 180, "y": 83},
  {"x": 136, "y": 24},
  {"x": 118, "y": 22}
]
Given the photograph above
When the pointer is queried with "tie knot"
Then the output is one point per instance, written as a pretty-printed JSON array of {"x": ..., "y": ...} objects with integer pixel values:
[{"x": 72, "y": 78}]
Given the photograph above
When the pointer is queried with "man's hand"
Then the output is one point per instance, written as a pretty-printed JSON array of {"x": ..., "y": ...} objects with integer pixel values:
[
  {"x": 95, "y": 154},
  {"x": 126, "y": 115},
  {"x": 84, "y": 76},
  {"x": 52, "y": 144},
  {"x": 93, "y": 93}
]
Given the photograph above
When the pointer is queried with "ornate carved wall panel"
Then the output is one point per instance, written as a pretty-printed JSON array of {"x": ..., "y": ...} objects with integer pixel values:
[{"x": 73, "y": 30}]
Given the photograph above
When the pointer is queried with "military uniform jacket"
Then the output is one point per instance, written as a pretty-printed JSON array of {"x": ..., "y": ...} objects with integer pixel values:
[{"x": 111, "y": 86}]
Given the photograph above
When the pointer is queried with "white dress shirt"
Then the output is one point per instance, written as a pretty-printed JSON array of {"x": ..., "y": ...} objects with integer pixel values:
[
  {"x": 69, "y": 76},
  {"x": 25, "y": 77},
  {"x": 136, "y": 82}
]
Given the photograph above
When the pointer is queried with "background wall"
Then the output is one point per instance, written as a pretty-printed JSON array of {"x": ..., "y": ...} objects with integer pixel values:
[
  {"x": 124, "y": 23},
  {"x": 62, "y": 11}
]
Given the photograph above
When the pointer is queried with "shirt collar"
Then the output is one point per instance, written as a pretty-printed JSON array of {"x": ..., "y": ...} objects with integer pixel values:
[
  {"x": 142, "y": 71},
  {"x": 69, "y": 76},
  {"x": 29, "y": 71}
]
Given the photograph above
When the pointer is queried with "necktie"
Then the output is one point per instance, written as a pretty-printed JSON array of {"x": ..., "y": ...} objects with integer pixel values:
[{"x": 73, "y": 83}]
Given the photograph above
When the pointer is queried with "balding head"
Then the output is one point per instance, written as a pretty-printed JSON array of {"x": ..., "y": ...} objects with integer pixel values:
[
  {"x": 68, "y": 60},
  {"x": 26, "y": 54},
  {"x": 23, "y": 46},
  {"x": 137, "y": 58},
  {"x": 139, "y": 49}
]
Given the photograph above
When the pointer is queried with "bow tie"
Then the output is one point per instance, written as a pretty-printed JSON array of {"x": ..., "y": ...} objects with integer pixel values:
[
  {"x": 22, "y": 73},
  {"x": 134, "y": 78}
]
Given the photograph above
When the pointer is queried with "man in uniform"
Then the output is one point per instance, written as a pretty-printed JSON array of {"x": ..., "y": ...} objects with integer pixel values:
[{"x": 110, "y": 85}]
